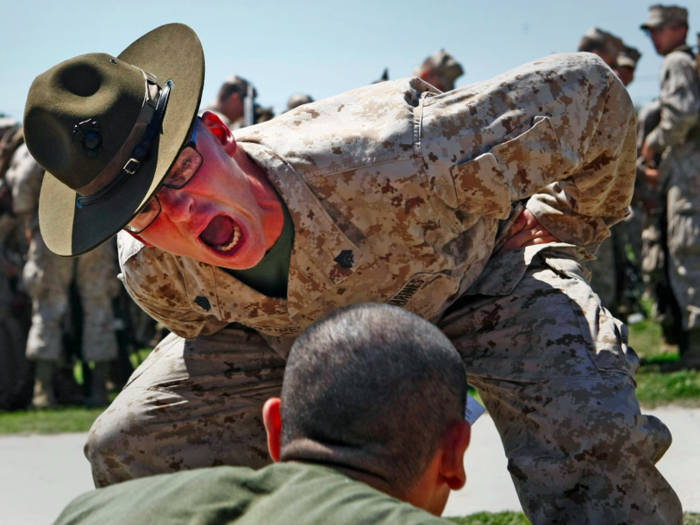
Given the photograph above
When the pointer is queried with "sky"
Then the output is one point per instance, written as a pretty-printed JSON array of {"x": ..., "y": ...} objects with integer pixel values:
[{"x": 321, "y": 48}]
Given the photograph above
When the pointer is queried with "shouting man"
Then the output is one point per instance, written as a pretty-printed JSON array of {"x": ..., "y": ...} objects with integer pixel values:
[{"x": 389, "y": 193}]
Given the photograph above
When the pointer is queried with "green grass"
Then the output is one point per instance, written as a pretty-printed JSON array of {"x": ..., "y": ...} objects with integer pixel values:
[
  {"x": 518, "y": 518},
  {"x": 489, "y": 518},
  {"x": 48, "y": 421},
  {"x": 655, "y": 384}
]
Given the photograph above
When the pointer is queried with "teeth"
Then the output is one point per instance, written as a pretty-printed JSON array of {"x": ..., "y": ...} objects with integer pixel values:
[{"x": 234, "y": 241}]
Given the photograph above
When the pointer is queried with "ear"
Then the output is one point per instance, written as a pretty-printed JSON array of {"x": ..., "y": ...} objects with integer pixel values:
[
  {"x": 139, "y": 238},
  {"x": 220, "y": 131},
  {"x": 273, "y": 425},
  {"x": 454, "y": 446},
  {"x": 425, "y": 74}
]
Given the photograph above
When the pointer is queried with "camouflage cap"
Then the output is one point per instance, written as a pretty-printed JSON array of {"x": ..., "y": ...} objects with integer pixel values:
[
  {"x": 628, "y": 57},
  {"x": 443, "y": 64},
  {"x": 612, "y": 44},
  {"x": 298, "y": 99},
  {"x": 660, "y": 15}
]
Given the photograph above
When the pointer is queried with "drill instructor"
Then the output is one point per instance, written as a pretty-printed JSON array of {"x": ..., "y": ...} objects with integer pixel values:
[{"x": 389, "y": 193}]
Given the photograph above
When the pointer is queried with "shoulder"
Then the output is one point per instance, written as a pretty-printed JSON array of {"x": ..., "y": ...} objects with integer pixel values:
[
  {"x": 357, "y": 128},
  {"x": 147, "y": 270},
  {"x": 678, "y": 60}
]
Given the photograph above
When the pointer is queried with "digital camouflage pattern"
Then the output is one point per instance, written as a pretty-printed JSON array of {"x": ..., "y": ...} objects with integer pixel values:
[
  {"x": 396, "y": 192},
  {"x": 557, "y": 376},
  {"x": 678, "y": 137},
  {"x": 47, "y": 277}
]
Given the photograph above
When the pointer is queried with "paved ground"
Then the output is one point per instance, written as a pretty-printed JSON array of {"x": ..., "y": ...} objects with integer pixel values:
[{"x": 39, "y": 475}]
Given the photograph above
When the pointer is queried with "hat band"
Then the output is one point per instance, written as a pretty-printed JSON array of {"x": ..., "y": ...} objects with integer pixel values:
[{"x": 135, "y": 148}]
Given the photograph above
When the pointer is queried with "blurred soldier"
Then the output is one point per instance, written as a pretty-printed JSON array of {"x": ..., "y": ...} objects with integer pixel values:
[
  {"x": 608, "y": 268},
  {"x": 16, "y": 373},
  {"x": 47, "y": 278},
  {"x": 677, "y": 138},
  {"x": 601, "y": 43},
  {"x": 441, "y": 70},
  {"x": 235, "y": 104},
  {"x": 298, "y": 99},
  {"x": 10, "y": 139},
  {"x": 626, "y": 63},
  {"x": 229, "y": 103}
]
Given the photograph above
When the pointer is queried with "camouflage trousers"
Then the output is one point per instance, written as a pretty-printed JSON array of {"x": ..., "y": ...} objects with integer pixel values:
[
  {"x": 551, "y": 364},
  {"x": 47, "y": 278}
]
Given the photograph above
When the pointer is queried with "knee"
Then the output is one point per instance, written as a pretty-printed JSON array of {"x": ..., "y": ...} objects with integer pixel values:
[{"x": 111, "y": 446}]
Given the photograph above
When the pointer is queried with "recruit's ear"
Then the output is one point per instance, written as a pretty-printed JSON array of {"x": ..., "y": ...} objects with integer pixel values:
[
  {"x": 220, "y": 131},
  {"x": 273, "y": 425},
  {"x": 454, "y": 447}
]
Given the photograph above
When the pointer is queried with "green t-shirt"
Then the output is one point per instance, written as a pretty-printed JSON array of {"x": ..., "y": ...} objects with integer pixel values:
[
  {"x": 271, "y": 275},
  {"x": 282, "y": 493}
]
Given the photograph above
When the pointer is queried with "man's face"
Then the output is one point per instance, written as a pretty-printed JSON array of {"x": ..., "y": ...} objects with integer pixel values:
[
  {"x": 216, "y": 218},
  {"x": 668, "y": 37},
  {"x": 233, "y": 107},
  {"x": 625, "y": 74}
]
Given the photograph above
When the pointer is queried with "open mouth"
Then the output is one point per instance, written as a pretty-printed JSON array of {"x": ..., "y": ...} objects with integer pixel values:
[{"x": 222, "y": 235}]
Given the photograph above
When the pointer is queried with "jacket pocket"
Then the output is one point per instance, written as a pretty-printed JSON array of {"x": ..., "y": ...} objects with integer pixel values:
[{"x": 511, "y": 170}]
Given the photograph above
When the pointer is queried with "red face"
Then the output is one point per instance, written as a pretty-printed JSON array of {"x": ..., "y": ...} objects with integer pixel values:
[
  {"x": 625, "y": 74},
  {"x": 224, "y": 216}
]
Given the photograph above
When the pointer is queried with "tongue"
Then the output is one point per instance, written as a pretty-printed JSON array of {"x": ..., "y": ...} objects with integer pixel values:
[{"x": 219, "y": 231}]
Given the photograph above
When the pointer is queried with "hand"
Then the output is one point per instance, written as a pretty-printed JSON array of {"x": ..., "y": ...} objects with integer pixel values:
[{"x": 527, "y": 231}]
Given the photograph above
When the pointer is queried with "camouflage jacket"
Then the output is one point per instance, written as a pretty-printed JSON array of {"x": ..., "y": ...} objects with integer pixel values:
[
  {"x": 680, "y": 102},
  {"x": 25, "y": 177},
  {"x": 396, "y": 191}
]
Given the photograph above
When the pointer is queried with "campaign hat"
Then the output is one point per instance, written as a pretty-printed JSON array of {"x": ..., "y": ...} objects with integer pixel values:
[{"x": 107, "y": 129}]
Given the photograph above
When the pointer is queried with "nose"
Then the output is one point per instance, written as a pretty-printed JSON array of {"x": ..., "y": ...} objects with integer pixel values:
[{"x": 177, "y": 204}]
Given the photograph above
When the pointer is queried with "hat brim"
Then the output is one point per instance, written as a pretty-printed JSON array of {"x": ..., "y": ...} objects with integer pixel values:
[{"x": 173, "y": 52}]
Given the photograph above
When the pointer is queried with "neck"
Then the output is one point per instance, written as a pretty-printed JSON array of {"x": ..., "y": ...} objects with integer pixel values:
[{"x": 266, "y": 196}]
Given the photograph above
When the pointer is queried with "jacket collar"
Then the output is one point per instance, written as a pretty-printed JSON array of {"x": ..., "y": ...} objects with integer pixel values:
[{"x": 322, "y": 256}]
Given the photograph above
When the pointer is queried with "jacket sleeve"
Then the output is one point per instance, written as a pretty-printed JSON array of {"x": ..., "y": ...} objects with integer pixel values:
[
  {"x": 680, "y": 102},
  {"x": 154, "y": 280},
  {"x": 559, "y": 131}
]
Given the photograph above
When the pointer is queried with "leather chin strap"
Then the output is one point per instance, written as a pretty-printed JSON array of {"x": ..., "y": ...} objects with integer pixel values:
[{"x": 140, "y": 152}]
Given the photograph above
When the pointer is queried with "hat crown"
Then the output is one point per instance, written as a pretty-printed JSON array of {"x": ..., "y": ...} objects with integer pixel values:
[
  {"x": 79, "y": 114},
  {"x": 665, "y": 14}
]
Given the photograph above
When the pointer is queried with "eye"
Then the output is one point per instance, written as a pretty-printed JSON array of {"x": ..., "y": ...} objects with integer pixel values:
[
  {"x": 184, "y": 169},
  {"x": 149, "y": 207}
]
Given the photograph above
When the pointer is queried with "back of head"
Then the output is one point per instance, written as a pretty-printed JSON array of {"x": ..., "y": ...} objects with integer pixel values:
[
  {"x": 234, "y": 84},
  {"x": 298, "y": 99},
  {"x": 628, "y": 57},
  {"x": 601, "y": 42},
  {"x": 373, "y": 388}
]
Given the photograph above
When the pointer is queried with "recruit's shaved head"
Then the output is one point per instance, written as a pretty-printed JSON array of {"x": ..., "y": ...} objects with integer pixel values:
[{"x": 374, "y": 388}]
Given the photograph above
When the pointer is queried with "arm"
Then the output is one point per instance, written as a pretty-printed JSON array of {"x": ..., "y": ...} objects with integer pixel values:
[
  {"x": 680, "y": 103},
  {"x": 559, "y": 130}
]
